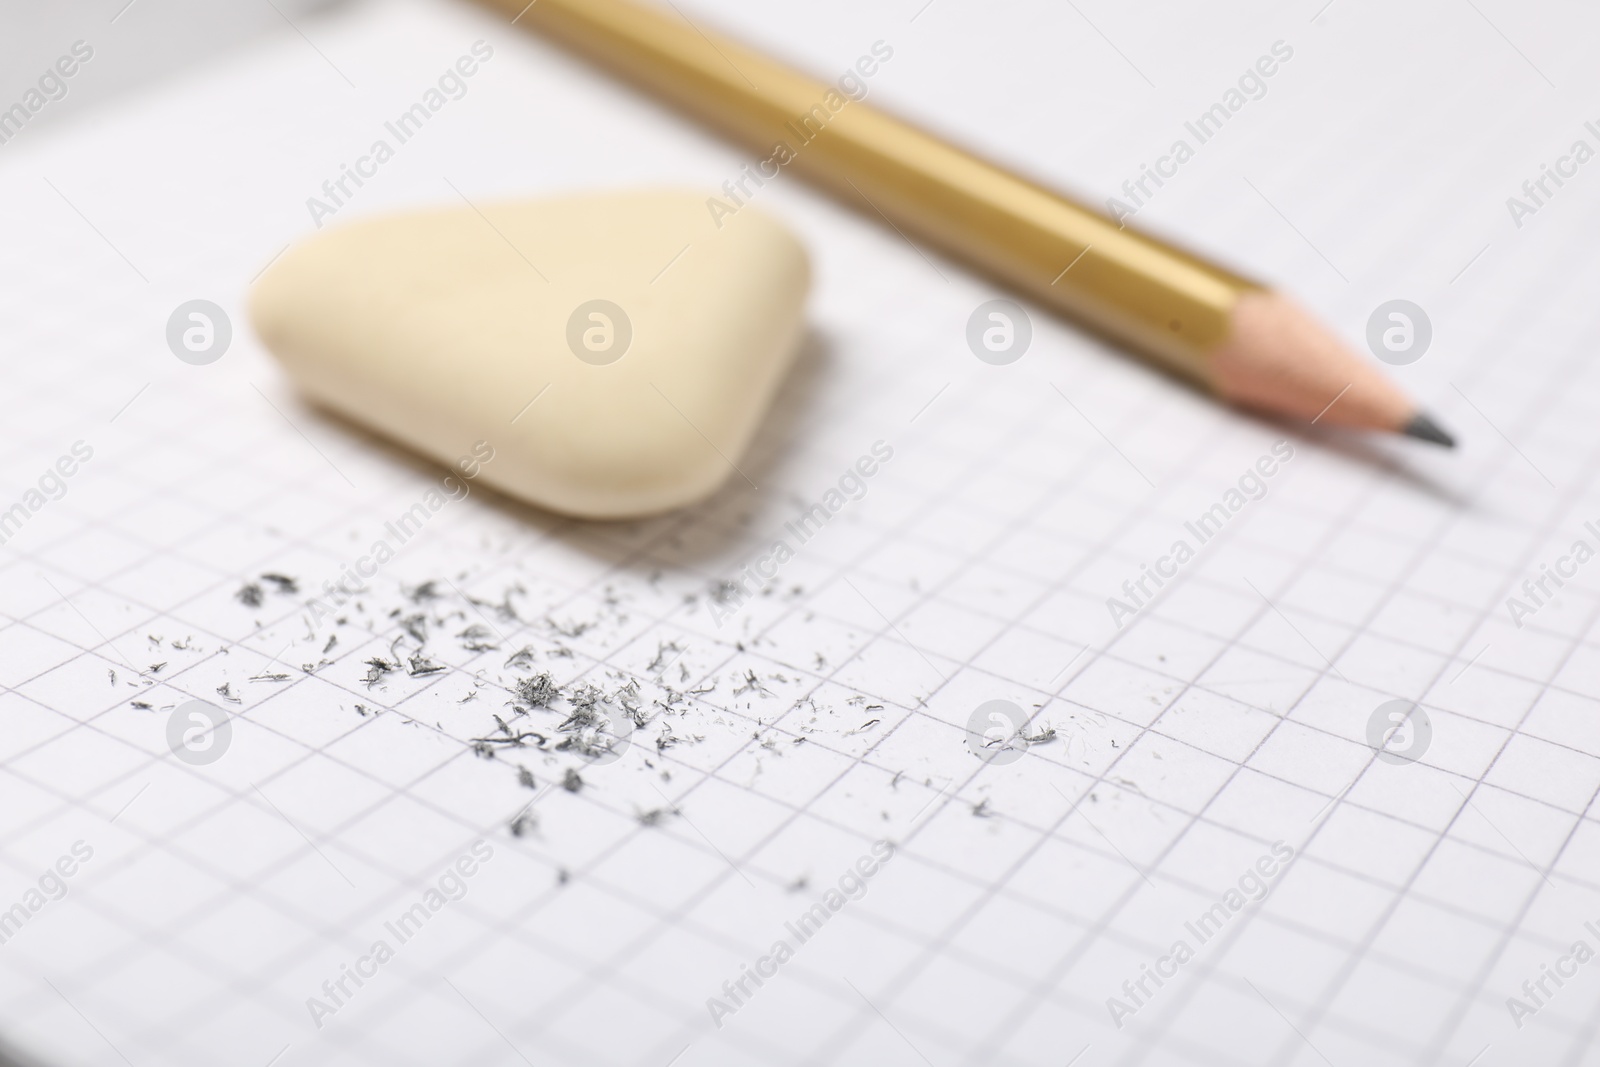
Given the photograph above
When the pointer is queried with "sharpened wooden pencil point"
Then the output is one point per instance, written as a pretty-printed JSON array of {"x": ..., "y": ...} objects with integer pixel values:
[{"x": 1279, "y": 360}]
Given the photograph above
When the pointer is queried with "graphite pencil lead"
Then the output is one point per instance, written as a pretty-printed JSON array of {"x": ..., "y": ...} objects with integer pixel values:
[{"x": 1424, "y": 428}]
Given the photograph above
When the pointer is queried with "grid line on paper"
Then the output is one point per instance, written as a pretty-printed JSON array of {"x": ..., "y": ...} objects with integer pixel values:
[
  {"x": 1288, "y": 1046},
  {"x": 611, "y": 965},
  {"x": 1100, "y": 779},
  {"x": 958, "y": 454},
  {"x": 1557, "y": 516}
]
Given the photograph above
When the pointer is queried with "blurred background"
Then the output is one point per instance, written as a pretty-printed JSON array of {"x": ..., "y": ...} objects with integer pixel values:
[{"x": 136, "y": 42}]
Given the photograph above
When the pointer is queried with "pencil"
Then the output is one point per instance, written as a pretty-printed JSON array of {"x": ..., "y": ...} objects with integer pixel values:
[{"x": 1234, "y": 337}]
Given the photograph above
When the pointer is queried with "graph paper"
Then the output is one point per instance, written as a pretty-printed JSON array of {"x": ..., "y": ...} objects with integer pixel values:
[{"x": 813, "y": 771}]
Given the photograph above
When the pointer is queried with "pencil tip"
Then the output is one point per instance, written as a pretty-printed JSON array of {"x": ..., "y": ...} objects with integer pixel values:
[{"x": 1424, "y": 428}]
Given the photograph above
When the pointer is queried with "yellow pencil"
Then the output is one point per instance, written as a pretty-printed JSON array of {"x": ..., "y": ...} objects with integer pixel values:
[{"x": 1230, "y": 335}]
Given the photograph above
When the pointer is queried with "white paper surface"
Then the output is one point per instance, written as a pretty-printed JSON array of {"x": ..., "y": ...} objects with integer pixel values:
[{"x": 833, "y": 712}]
